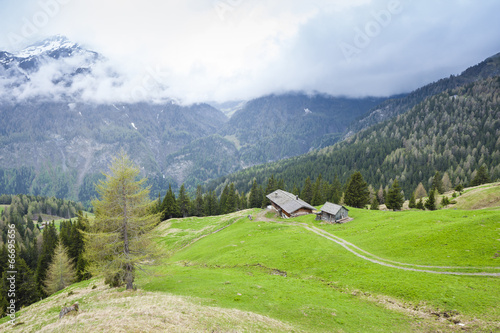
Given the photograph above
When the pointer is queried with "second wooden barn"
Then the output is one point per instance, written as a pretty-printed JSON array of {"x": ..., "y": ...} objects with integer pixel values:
[{"x": 331, "y": 212}]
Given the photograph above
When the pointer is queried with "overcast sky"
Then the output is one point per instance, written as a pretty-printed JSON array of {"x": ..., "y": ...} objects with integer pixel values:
[{"x": 202, "y": 50}]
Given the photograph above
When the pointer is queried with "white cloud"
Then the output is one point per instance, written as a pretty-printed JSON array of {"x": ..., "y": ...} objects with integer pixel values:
[{"x": 238, "y": 49}]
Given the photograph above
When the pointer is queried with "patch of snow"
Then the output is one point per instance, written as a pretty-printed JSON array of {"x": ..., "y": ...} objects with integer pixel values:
[
  {"x": 115, "y": 107},
  {"x": 72, "y": 106},
  {"x": 80, "y": 113},
  {"x": 52, "y": 44},
  {"x": 133, "y": 125},
  {"x": 307, "y": 111}
]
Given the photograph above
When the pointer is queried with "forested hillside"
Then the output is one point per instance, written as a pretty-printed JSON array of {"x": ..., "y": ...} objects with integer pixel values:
[
  {"x": 454, "y": 132},
  {"x": 392, "y": 107},
  {"x": 35, "y": 243}
]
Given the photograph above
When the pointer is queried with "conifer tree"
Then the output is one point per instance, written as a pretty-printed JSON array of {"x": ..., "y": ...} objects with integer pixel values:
[
  {"x": 374, "y": 204},
  {"x": 183, "y": 202},
  {"x": 210, "y": 204},
  {"x": 336, "y": 190},
  {"x": 317, "y": 198},
  {"x": 255, "y": 198},
  {"x": 198, "y": 202},
  {"x": 169, "y": 207},
  {"x": 307, "y": 191},
  {"x": 231, "y": 202},
  {"x": 49, "y": 244},
  {"x": 437, "y": 183},
  {"x": 482, "y": 176},
  {"x": 420, "y": 204},
  {"x": 412, "y": 203},
  {"x": 356, "y": 193},
  {"x": 118, "y": 240},
  {"x": 60, "y": 272},
  {"x": 223, "y": 200},
  {"x": 243, "y": 201},
  {"x": 430, "y": 204},
  {"x": 394, "y": 197}
]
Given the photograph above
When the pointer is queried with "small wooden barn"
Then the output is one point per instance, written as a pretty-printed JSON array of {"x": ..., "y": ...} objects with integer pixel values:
[
  {"x": 288, "y": 204},
  {"x": 333, "y": 213}
]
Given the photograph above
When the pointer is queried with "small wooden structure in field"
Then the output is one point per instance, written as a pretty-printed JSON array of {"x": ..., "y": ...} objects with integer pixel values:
[
  {"x": 332, "y": 213},
  {"x": 288, "y": 204}
]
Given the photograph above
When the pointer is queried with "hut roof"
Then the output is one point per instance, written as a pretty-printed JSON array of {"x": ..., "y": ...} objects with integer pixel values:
[
  {"x": 331, "y": 208},
  {"x": 288, "y": 201}
]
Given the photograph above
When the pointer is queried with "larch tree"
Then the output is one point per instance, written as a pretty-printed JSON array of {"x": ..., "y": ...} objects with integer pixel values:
[
  {"x": 60, "y": 273},
  {"x": 420, "y": 191},
  {"x": 446, "y": 182},
  {"x": 118, "y": 241}
]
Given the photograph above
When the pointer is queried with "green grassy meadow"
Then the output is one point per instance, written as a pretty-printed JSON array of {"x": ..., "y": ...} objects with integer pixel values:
[
  {"x": 294, "y": 275},
  {"x": 231, "y": 274}
]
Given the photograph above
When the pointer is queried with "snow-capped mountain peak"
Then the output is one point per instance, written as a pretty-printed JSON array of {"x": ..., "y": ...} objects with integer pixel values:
[{"x": 48, "y": 46}]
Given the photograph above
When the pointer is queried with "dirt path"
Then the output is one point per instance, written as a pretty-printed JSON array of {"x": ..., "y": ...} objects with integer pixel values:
[{"x": 261, "y": 216}]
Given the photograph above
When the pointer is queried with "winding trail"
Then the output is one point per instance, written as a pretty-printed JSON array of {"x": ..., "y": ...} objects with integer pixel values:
[{"x": 381, "y": 261}]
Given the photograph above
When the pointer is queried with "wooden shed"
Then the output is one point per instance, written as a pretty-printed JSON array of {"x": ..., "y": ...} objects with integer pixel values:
[
  {"x": 333, "y": 213},
  {"x": 288, "y": 204}
]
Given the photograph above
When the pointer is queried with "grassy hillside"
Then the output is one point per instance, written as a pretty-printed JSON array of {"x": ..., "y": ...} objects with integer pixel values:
[
  {"x": 382, "y": 272},
  {"x": 283, "y": 270},
  {"x": 113, "y": 310},
  {"x": 484, "y": 196}
]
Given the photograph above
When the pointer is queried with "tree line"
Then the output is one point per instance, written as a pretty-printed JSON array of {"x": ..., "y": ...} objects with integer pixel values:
[{"x": 355, "y": 192}]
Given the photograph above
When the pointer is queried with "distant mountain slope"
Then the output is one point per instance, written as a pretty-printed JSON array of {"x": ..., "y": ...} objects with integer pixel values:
[
  {"x": 267, "y": 129},
  {"x": 454, "y": 132},
  {"x": 392, "y": 107},
  {"x": 278, "y": 126},
  {"x": 60, "y": 145}
]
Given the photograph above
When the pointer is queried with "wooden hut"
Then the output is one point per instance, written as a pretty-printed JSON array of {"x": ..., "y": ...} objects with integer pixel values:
[
  {"x": 331, "y": 212},
  {"x": 288, "y": 204}
]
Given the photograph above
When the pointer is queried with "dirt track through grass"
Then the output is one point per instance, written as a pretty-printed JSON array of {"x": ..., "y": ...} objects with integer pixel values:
[{"x": 445, "y": 270}]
